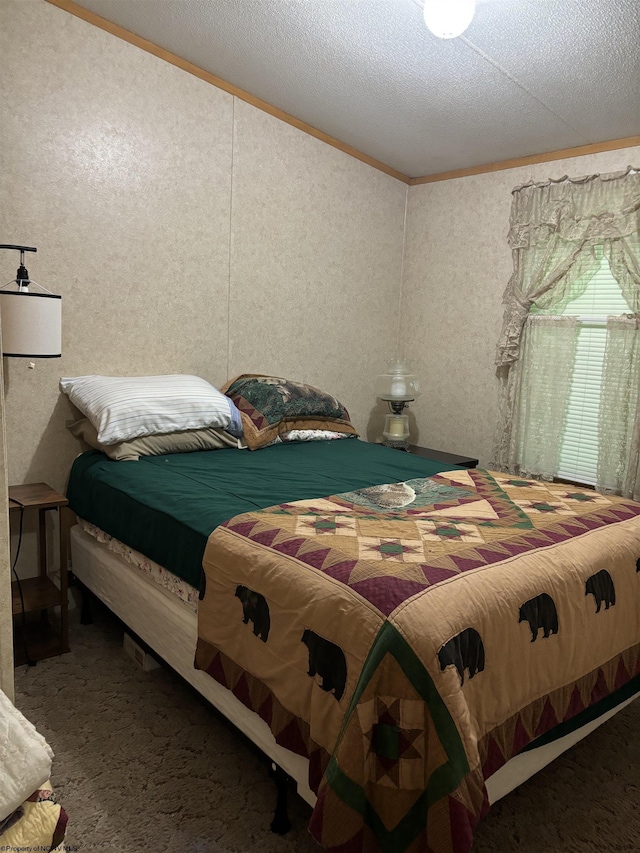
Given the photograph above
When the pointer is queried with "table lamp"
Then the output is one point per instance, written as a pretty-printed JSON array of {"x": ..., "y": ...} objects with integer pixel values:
[{"x": 398, "y": 387}]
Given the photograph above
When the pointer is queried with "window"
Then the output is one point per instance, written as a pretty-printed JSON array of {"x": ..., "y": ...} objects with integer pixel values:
[
  {"x": 562, "y": 400},
  {"x": 569, "y": 365},
  {"x": 602, "y": 298}
]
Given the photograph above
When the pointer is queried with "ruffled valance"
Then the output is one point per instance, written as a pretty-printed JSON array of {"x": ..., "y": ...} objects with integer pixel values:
[
  {"x": 594, "y": 209},
  {"x": 553, "y": 229}
]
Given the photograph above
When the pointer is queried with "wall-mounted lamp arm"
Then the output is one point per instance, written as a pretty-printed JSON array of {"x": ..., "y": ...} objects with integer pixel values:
[{"x": 22, "y": 275}]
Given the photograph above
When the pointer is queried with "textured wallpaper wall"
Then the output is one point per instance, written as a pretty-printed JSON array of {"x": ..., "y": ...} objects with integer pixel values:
[
  {"x": 186, "y": 231},
  {"x": 457, "y": 265},
  {"x": 190, "y": 232}
]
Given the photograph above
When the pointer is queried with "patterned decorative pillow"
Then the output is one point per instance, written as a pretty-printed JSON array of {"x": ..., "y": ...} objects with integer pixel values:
[
  {"x": 270, "y": 406},
  {"x": 309, "y": 435}
]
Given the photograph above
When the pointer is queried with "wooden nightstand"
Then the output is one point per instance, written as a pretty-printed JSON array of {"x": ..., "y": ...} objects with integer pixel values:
[
  {"x": 441, "y": 456},
  {"x": 39, "y": 593}
]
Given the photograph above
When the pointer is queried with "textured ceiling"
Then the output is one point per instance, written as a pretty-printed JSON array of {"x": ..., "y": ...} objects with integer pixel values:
[{"x": 528, "y": 76}]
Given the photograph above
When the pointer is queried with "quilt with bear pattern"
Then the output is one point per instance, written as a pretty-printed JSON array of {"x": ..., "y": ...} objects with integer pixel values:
[{"x": 410, "y": 638}]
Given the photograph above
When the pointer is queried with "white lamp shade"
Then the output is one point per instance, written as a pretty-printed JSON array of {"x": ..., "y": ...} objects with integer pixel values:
[
  {"x": 31, "y": 324},
  {"x": 448, "y": 19},
  {"x": 397, "y": 383}
]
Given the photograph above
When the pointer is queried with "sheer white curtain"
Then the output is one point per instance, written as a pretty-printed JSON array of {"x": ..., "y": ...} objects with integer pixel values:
[
  {"x": 624, "y": 260},
  {"x": 548, "y": 355},
  {"x": 619, "y": 417}
]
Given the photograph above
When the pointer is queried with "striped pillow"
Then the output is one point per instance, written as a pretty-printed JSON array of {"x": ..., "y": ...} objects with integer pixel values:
[{"x": 123, "y": 408}]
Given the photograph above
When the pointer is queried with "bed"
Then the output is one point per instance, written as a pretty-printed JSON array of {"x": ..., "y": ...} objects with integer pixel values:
[{"x": 408, "y": 643}]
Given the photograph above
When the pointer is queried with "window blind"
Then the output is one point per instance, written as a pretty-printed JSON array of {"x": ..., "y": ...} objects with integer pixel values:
[{"x": 579, "y": 450}]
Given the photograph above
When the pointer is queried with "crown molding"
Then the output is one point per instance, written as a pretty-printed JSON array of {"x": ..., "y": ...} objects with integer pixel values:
[{"x": 561, "y": 154}]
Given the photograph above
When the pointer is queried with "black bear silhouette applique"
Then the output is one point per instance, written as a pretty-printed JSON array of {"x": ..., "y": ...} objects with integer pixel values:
[
  {"x": 602, "y": 589},
  {"x": 328, "y": 661},
  {"x": 464, "y": 651},
  {"x": 256, "y": 610},
  {"x": 540, "y": 612}
]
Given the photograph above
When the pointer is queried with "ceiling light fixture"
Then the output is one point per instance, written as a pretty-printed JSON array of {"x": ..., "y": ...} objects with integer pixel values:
[{"x": 448, "y": 19}]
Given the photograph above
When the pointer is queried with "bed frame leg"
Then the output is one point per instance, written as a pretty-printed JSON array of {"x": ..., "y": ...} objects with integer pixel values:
[
  {"x": 86, "y": 608},
  {"x": 280, "y": 823}
]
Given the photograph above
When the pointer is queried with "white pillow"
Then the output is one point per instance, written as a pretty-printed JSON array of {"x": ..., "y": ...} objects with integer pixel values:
[
  {"x": 123, "y": 408},
  {"x": 309, "y": 435}
]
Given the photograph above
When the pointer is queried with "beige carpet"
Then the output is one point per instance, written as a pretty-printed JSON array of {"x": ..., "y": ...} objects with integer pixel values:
[{"x": 142, "y": 764}]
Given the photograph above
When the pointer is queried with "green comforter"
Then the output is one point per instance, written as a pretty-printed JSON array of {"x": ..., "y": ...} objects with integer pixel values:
[{"x": 166, "y": 506}]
